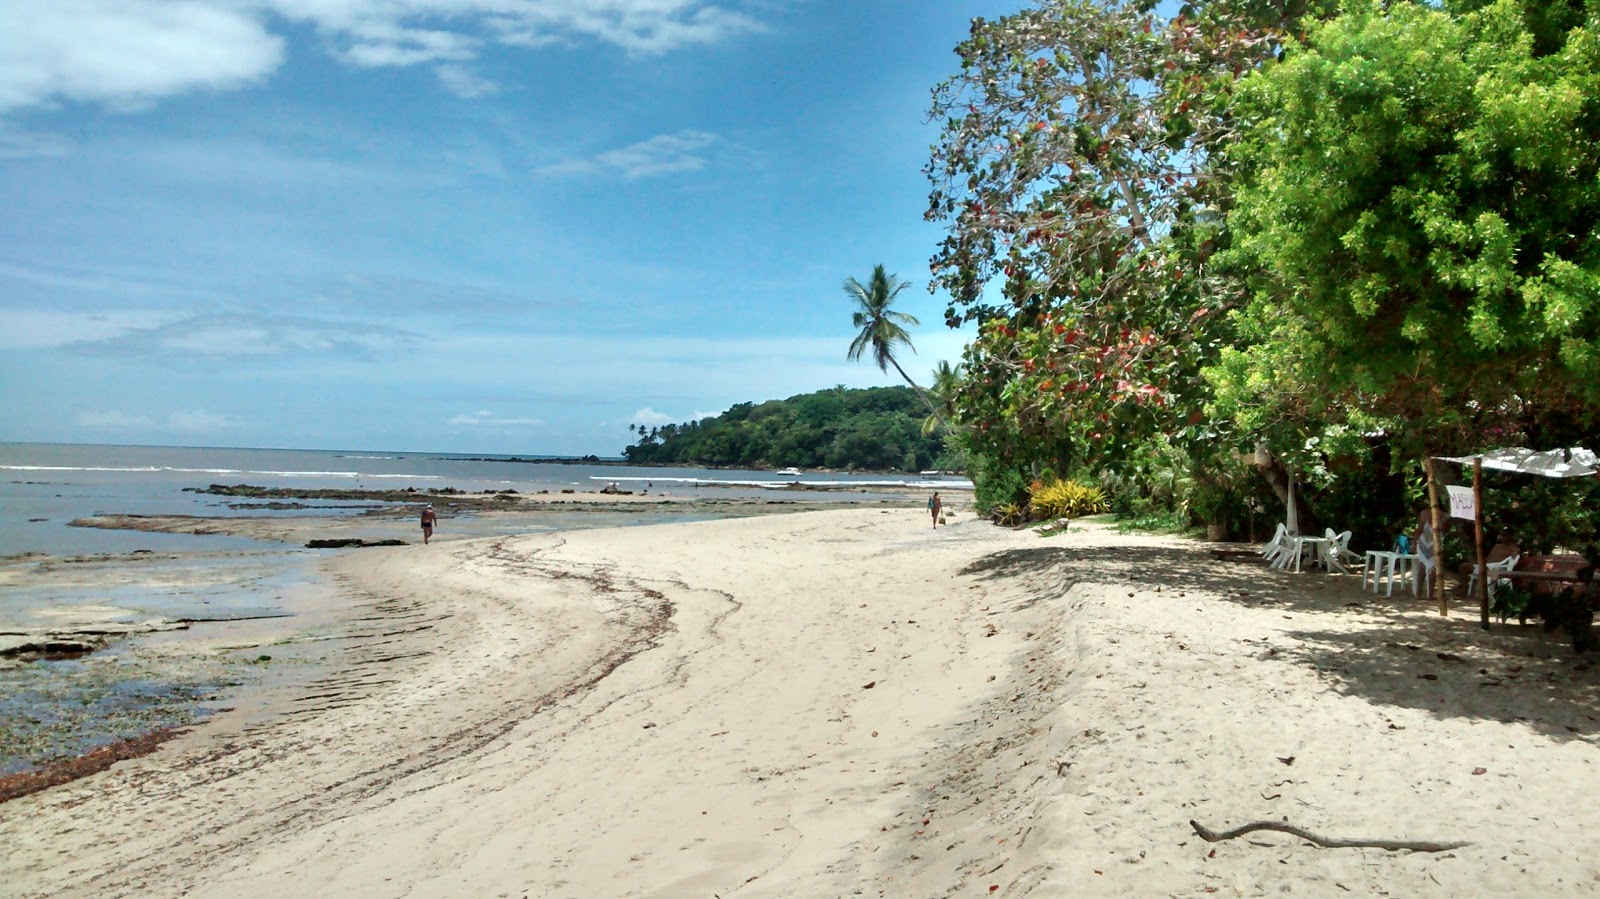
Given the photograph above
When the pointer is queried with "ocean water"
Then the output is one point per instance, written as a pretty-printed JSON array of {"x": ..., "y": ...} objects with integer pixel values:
[
  {"x": 43, "y": 486},
  {"x": 53, "y": 708}
]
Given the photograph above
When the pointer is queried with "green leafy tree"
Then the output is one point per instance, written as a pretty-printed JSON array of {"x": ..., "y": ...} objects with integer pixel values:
[
  {"x": 1079, "y": 167},
  {"x": 1417, "y": 195},
  {"x": 882, "y": 329}
]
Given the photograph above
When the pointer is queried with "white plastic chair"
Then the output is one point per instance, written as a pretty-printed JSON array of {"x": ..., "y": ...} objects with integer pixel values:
[
  {"x": 1503, "y": 566},
  {"x": 1280, "y": 543},
  {"x": 1336, "y": 551}
]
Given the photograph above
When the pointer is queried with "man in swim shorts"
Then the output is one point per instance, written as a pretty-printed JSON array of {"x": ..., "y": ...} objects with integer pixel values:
[{"x": 428, "y": 518}]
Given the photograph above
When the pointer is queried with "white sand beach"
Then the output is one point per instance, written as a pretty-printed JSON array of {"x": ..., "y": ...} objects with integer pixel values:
[{"x": 850, "y": 703}]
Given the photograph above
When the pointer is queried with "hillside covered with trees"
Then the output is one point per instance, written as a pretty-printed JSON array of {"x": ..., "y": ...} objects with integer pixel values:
[{"x": 878, "y": 429}]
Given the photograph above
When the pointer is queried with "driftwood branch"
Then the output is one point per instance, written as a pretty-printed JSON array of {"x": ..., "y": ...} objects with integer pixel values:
[{"x": 1211, "y": 836}]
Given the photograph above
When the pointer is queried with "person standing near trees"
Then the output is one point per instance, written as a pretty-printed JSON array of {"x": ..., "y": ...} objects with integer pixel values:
[
  {"x": 428, "y": 519},
  {"x": 935, "y": 507}
]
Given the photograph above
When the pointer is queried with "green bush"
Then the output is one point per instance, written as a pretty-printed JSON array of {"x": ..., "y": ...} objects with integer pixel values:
[
  {"x": 1066, "y": 499},
  {"x": 995, "y": 484}
]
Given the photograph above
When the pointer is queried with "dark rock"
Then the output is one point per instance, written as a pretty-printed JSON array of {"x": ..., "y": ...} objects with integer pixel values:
[{"x": 350, "y": 542}]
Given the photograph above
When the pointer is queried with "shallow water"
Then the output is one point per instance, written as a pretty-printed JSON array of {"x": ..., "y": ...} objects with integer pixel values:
[{"x": 52, "y": 709}]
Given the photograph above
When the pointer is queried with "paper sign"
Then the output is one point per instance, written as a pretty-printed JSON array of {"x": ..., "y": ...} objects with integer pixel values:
[{"x": 1461, "y": 504}]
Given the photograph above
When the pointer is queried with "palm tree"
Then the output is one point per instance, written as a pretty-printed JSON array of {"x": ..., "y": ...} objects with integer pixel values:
[
  {"x": 882, "y": 328},
  {"x": 946, "y": 381}
]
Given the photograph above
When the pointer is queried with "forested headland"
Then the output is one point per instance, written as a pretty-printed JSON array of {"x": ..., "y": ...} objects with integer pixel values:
[{"x": 875, "y": 429}]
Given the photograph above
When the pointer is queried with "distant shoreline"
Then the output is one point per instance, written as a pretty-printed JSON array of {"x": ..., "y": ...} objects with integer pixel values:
[{"x": 623, "y": 463}]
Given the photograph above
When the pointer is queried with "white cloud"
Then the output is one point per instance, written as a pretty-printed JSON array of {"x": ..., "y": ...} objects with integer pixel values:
[
  {"x": 649, "y": 416},
  {"x": 663, "y": 154},
  {"x": 112, "y": 420},
  {"x": 130, "y": 52},
  {"x": 486, "y": 418},
  {"x": 376, "y": 44},
  {"x": 199, "y": 421}
]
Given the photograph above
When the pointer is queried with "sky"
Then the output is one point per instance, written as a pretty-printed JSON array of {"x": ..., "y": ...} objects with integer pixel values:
[{"x": 496, "y": 226}]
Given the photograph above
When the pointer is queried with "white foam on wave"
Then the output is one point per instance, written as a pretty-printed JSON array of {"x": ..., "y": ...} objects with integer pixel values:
[
  {"x": 228, "y": 471},
  {"x": 70, "y": 468},
  {"x": 791, "y": 482}
]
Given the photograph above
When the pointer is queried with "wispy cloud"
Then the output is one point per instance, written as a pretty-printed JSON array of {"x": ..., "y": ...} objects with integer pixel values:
[
  {"x": 487, "y": 418},
  {"x": 37, "y": 329},
  {"x": 664, "y": 154},
  {"x": 196, "y": 421},
  {"x": 130, "y": 52},
  {"x": 112, "y": 419},
  {"x": 249, "y": 336},
  {"x": 464, "y": 82},
  {"x": 17, "y": 143},
  {"x": 200, "y": 421}
]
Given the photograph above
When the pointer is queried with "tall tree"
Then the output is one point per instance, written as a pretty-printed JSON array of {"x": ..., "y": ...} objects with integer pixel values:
[
  {"x": 1417, "y": 197},
  {"x": 1079, "y": 166},
  {"x": 946, "y": 384},
  {"x": 882, "y": 329}
]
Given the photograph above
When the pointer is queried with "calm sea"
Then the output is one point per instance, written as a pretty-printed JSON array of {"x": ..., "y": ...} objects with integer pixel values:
[
  {"x": 58, "y": 708},
  {"x": 43, "y": 486}
]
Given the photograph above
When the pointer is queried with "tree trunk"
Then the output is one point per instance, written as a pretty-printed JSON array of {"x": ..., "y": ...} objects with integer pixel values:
[
  {"x": 1276, "y": 475},
  {"x": 920, "y": 392}
]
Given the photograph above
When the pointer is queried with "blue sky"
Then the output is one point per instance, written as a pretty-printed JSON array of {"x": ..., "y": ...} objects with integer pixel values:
[{"x": 452, "y": 225}]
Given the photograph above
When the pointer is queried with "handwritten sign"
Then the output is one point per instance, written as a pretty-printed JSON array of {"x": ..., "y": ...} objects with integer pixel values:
[{"x": 1461, "y": 502}]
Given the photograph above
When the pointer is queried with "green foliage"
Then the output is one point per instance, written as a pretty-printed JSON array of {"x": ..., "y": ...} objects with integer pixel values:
[
  {"x": 1416, "y": 198},
  {"x": 882, "y": 329},
  {"x": 1009, "y": 514},
  {"x": 1359, "y": 493},
  {"x": 996, "y": 484},
  {"x": 877, "y": 429},
  {"x": 1151, "y": 522},
  {"x": 1066, "y": 499},
  {"x": 1079, "y": 167},
  {"x": 1542, "y": 514},
  {"x": 1508, "y": 602},
  {"x": 1349, "y": 235}
]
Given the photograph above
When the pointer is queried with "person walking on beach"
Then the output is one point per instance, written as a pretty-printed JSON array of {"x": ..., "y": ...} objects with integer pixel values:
[
  {"x": 935, "y": 507},
  {"x": 428, "y": 518}
]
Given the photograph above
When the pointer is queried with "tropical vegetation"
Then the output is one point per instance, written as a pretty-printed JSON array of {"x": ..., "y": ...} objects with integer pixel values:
[
  {"x": 881, "y": 329},
  {"x": 875, "y": 429},
  {"x": 1240, "y": 253}
]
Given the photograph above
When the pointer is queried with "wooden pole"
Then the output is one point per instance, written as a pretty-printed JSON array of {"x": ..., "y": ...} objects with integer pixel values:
[
  {"x": 1438, "y": 538},
  {"x": 1477, "y": 527}
]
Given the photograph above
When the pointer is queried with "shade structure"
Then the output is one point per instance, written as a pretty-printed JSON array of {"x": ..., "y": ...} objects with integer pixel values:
[{"x": 1575, "y": 462}]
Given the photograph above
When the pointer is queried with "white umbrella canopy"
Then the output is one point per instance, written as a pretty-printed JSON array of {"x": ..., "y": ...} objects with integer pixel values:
[{"x": 1575, "y": 462}]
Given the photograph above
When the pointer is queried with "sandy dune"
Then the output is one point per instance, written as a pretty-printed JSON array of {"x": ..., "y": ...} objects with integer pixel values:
[{"x": 849, "y": 703}]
